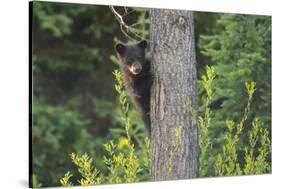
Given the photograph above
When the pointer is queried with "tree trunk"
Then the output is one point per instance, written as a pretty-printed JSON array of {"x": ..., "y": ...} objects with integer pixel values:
[{"x": 174, "y": 133}]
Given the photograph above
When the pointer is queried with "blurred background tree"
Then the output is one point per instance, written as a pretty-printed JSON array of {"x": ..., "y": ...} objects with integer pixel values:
[
  {"x": 239, "y": 48},
  {"x": 75, "y": 106}
]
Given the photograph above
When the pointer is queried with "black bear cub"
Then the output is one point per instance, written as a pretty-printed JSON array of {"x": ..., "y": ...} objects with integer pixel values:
[{"x": 135, "y": 70}]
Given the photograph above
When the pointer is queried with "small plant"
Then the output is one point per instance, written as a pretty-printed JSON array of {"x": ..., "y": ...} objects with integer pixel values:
[
  {"x": 124, "y": 164},
  {"x": 226, "y": 162},
  {"x": 122, "y": 161},
  {"x": 90, "y": 175},
  {"x": 147, "y": 151},
  {"x": 257, "y": 136},
  {"x": 123, "y": 167},
  {"x": 65, "y": 180},
  {"x": 204, "y": 122},
  {"x": 119, "y": 87}
]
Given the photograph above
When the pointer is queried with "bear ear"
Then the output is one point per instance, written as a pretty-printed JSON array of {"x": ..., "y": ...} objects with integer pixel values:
[
  {"x": 120, "y": 48},
  {"x": 142, "y": 44}
]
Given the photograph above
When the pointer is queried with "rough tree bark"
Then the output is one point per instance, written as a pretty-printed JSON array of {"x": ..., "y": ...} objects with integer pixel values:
[{"x": 173, "y": 65}]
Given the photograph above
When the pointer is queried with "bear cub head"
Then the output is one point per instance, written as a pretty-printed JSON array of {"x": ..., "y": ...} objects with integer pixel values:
[{"x": 132, "y": 57}]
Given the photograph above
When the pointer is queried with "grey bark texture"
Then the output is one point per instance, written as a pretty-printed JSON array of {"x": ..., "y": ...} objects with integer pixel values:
[{"x": 173, "y": 66}]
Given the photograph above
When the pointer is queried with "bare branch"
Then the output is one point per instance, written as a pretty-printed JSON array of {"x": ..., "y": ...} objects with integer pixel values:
[
  {"x": 128, "y": 12},
  {"x": 125, "y": 29},
  {"x": 125, "y": 11}
]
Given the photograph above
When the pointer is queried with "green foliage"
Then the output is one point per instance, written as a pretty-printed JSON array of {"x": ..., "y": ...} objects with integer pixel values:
[
  {"x": 122, "y": 162},
  {"x": 112, "y": 111},
  {"x": 204, "y": 122},
  {"x": 56, "y": 131},
  {"x": 34, "y": 183},
  {"x": 73, "y": 110},
  {"x": 89, "y": 174},
  {"x": 226, "y": 162},
  {"x": 257, "y": 164},
  {"x": 71, "y": 47},
  {"x": 132, "y": 167},
  {"x": 58, "y": 24},
  {"x": 240, "y": 51},
  {"x": 123, "y": 167},
  {"x": 255, "y": 157},
  {"x": 65, "y": 180},
  {"x": 238, "y": 47},
  {"x": 123, "y": 102},
  {"x": 146, "y": 160},
  {"x": 128, "y": 117},
  {"x": 86, "y": 170}
]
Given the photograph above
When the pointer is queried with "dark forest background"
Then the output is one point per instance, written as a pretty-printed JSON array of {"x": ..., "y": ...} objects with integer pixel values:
[{"x": 75, "y": 106}]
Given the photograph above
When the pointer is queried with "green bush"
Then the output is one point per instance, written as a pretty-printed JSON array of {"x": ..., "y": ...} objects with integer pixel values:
[
  {"x": 240, "y": 51},
  {"x": 56, "y": 132},
  {"x": 255, "y": 156},
  {"x": 123, "y": 163}
]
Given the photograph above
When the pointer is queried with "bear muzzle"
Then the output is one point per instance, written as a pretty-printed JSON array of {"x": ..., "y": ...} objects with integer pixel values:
[{"x": 135, "y": 68}]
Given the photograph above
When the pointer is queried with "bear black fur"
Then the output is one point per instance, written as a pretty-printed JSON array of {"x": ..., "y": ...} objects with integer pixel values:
[{"x": 136, "y": 75}]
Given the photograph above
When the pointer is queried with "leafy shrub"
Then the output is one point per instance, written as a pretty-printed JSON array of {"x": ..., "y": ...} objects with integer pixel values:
[
  {"x": 256, "y": 155},
  {"x": 56, "y": 132},
  {"x": 240, "y": 50},
  {"x": 123, "y": 163}
]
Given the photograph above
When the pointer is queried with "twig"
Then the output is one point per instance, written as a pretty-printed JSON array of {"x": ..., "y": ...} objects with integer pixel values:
[
  {"x": 128, "y": 12},
  {"x": 125, "y": 29}
]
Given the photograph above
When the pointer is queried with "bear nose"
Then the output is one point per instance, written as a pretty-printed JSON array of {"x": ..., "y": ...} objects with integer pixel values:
[
  {"x": 136, "y": 67},
  {"x": 137, "y": 70}
]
